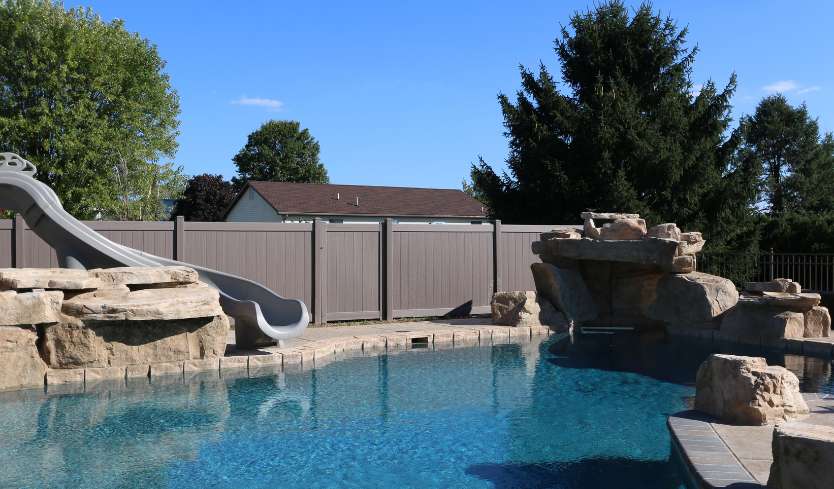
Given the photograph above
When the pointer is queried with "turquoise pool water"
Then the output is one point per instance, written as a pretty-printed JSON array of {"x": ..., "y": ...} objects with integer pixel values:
[{"x": 537, "y": 415}]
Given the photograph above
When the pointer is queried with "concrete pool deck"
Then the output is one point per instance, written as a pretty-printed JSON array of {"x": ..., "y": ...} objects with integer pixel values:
[{"x": 720, "y": 455}]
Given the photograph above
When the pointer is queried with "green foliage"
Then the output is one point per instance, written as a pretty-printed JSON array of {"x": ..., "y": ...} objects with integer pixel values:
[
  {"x": 280, "y": 151},
  {"x": 90, "y": 105},
  {"x": 795, "y": 164},
  {"x": 206, "y": 198},
  {"x": 799, "y": 233},
  {"x": 623, "y": 131},
  {"x": 140, "y": 189}
]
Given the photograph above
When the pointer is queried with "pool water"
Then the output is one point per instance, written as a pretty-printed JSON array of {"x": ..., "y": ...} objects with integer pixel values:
[{"x": 584, "y": 414}]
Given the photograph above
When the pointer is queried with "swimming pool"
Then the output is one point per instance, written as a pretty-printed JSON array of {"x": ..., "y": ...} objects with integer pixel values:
[{"x": 541, "y": 414}]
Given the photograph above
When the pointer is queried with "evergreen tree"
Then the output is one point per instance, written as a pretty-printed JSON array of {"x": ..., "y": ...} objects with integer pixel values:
[
  {"x": 623, "y": 131},
  {"x": 206, "y": 198},
  {"x": 795, "y": 164},
  {"x": 280, "y": 151}
]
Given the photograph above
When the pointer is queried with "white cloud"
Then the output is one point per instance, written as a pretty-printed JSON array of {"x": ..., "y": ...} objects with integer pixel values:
[
  {"x": 790, "y": 86},
  {"x": 815, "y": 88},
  {"x": 269, "y": 103},
  {"x": 782, "y": 86}
]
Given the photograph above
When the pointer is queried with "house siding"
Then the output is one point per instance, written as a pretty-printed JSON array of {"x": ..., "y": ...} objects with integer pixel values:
[{"x": 251, "y": 207}]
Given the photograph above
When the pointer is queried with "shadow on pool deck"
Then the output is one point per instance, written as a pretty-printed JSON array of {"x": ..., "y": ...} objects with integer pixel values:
[{"x": 596, "y": 473}]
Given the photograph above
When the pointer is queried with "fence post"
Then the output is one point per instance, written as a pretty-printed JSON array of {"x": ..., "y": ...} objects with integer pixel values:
[
  {"x": 319, "y": 271},
  {"x": 18, "y": 226},
  {"x": 179, "y": 238},
  {"x": 772, "y": 260},
  {"x": 496, "y": 255},
  {"x": 388, "y": 291}
]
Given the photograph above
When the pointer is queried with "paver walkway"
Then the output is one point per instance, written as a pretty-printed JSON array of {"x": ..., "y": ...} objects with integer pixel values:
[{"x": 723, "y": 455}]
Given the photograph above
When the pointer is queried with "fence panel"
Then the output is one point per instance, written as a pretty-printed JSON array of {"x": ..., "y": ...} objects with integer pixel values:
[
  {"x": 516, "y": 254},
  {"x": 6, "y": 243},
  {"x": 278, "y": 256},
  {"x": 156, "y": 238},
  {"x": 439, "y": 269},
  {"x": 36, "y": 253},
  {"x": 434, "y": 269},
  {"x": 353, "y": 272}
]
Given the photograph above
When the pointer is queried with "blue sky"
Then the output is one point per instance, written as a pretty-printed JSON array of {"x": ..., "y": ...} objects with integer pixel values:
[{"x": 404, "y": 93}]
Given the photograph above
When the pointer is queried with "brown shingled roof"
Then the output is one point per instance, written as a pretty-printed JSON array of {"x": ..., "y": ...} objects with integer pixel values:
[{"x": 316, "y": 198}]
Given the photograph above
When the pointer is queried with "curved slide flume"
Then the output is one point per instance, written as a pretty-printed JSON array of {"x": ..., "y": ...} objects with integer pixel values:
[{"x": 253, "y": 306}]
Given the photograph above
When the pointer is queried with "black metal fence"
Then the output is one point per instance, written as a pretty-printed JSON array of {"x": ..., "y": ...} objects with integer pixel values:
[{"x": 814, "y": 271}]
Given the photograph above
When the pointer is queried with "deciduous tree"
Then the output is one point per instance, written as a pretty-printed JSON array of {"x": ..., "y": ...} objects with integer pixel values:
[
  {"x": 206, "y": 198},
  {"x": 280, "y": 151},
  {"x": 90, "y": 104}
]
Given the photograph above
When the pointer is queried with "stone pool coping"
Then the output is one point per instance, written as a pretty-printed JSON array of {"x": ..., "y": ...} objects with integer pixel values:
[
  {"x": 719, "y": 455},
  {"x": 814, "y": 347},
  {"x": 316, "y": 348}
]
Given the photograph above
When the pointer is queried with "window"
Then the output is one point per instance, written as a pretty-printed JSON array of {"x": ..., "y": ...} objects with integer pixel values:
[
  {"x": 335, "y": 220},
  {"x": 476, "y": 222}
]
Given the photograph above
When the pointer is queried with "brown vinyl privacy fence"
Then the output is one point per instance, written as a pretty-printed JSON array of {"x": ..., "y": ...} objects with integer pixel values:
[{"x": 341, "y": 271}]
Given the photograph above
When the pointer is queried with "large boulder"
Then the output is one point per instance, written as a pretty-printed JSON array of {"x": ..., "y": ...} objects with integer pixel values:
[
  {"x": 803, "y": 457},
  {"x": 20, "y": 363},
  {"x": 762, "y": 325},
  {"x": 566, "y": 290},
  {"x": 590, "y": 229},
  {"x": 74, "y": 343},
  {"x": 623, "y": 229},
  {"x": 668, "y": 230},
  {"x": 117, "y": 326},
  {"x": 817, "y": 323},
  {"x": 681, "y": 300},
  {"x": 525, "y": 308},
  {"x": 745, "y": 390},
  {"x": 691, "y": 243},
  {"x": 26, "y": 308},
  {"x": 692, "y": 299}
]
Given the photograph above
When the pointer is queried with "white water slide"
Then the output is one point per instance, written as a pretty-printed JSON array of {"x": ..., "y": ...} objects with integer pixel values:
[{"x": 255, "y": 308}]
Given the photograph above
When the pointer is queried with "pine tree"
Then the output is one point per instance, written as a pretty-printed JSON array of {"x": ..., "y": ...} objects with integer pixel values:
[
  {"x": 623, "y": 131},
  {"x": 795, "y": 164}
]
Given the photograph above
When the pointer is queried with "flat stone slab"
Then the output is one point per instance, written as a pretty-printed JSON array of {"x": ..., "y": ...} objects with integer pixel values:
[
  {"x": 147, "y": 304},
  {"x": 775, "y": 285},
  {"x": 47, "y": 278},
  {"x": 720, "y": 455},
  {"x": 655, "y": 252},
  {"x": 145, "y": 275},
  {"x": 801, "y": 302},
  {"x": 607, "y": 215}
]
